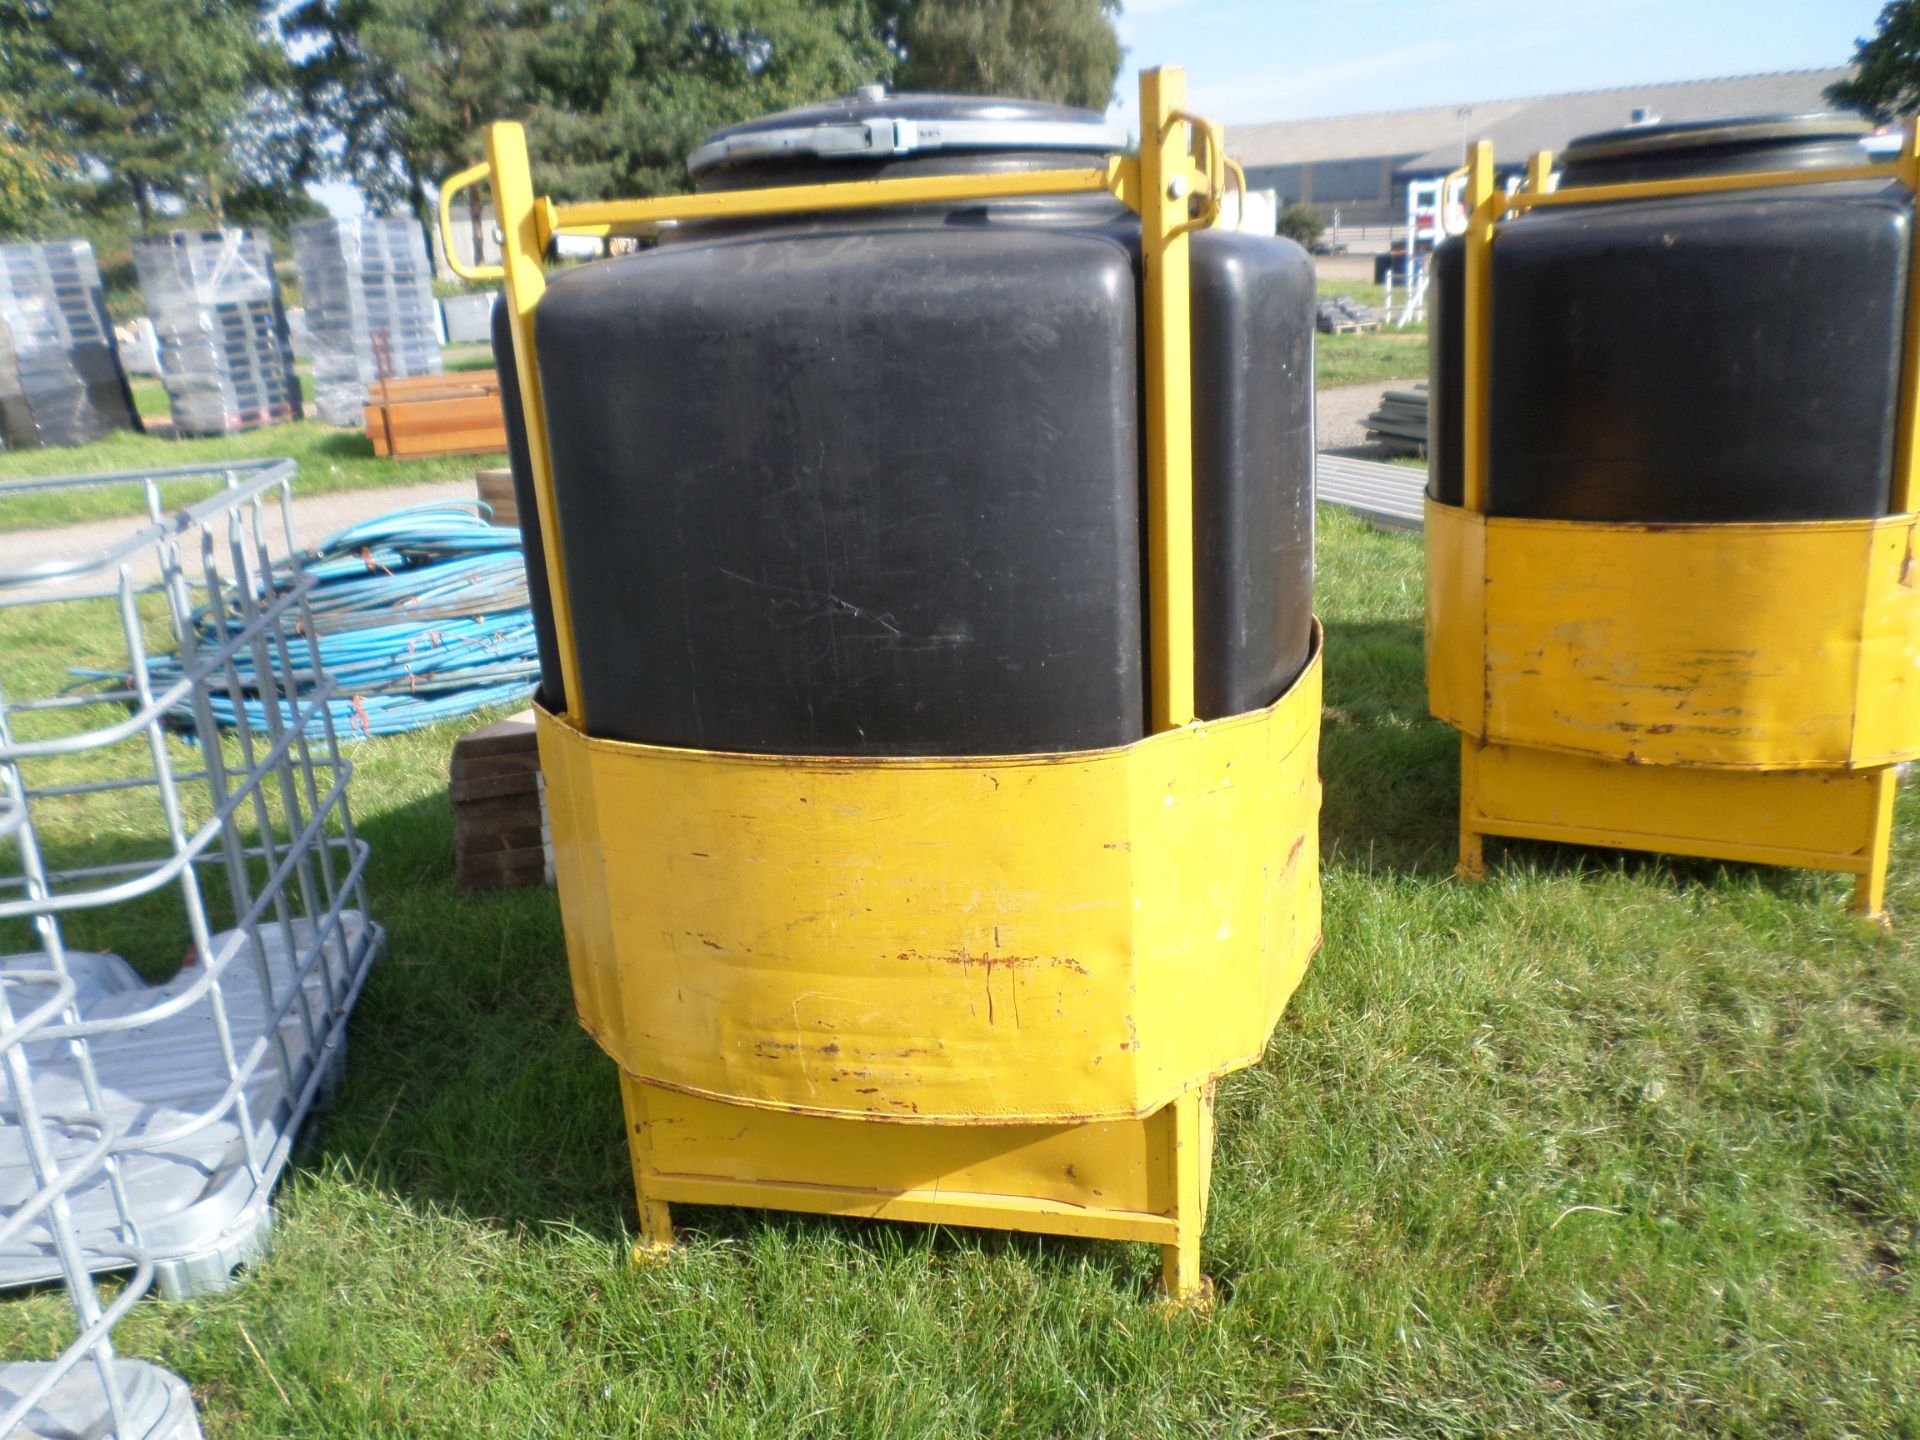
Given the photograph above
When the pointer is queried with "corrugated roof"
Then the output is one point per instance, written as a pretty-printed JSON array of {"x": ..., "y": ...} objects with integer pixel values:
[
  {"x": 1351, "y": 137},
  {"x": 1433, "y": 138}
]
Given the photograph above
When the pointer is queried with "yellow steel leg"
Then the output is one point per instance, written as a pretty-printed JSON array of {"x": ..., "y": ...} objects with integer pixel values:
[
  {"x": 1181, "y": 1282},
  {"x": 1870, "y": 890},
  {"x": 1473, "y": 842},
  {"x": 656, "y": 1241}
]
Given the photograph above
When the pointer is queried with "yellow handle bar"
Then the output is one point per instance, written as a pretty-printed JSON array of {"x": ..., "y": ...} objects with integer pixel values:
[
  {"x": 1212, "y": 165},
  {"x": 449, "y": 188}
]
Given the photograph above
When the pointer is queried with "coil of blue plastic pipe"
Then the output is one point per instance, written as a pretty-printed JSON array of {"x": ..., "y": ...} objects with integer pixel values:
[{"x": 417, "y": 616}]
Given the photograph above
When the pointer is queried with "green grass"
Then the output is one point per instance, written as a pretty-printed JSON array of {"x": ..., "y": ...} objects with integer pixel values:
[
  {"x": 1387, "y": 354},
  {"x": 1372, "y": 358},
  {"x": 1607, "y": 1147},
  {"x": 330, "y": 459}
]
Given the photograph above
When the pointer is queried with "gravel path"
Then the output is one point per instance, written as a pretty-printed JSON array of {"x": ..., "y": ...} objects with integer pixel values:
[
  {"x": 1340, "y": 424},
  {"x": 314, "y": 518}
]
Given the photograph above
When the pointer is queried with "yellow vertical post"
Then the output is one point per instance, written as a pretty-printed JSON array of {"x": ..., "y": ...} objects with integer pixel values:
[
  {"x": 656, "y": 1240},
  {"x": 1476, "y": 379},
  {"x": 1540, "y": 171},
  {"x": 1180, "y": 1277},
  {"x": 521, "y": 250},
  {"x": 1473, "y": 844},
  {"x": 1476, "y": 383},
  {"x": 1906, "y": 466},
  {"x": 1870, "y": 890},
  {"x": 1165, "y": 187}
]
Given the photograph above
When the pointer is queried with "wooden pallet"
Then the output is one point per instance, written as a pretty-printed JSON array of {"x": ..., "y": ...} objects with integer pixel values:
[
  {"x": 500, "y": 834},
  {"x": 432, "y": 415},
  {"x": 1348, "y": 327}
]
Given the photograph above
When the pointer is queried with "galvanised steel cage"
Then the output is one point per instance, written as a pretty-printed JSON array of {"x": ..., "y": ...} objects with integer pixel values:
[{"x": 183, "y": 920}]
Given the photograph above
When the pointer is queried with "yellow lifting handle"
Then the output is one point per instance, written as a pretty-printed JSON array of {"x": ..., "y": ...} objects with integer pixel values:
[
  {"x": 1211, "y": 167},
  {"x": 449, "y": 188}
]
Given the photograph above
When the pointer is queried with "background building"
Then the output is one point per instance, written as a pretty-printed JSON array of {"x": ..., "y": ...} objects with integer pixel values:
[{"x": 1360, "y": 164}]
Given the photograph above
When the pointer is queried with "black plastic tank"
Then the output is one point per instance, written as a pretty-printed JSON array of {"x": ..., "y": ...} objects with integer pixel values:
[
  {"x": 872, "y": 482},
  {"x": 1721, "y": 357},
  {"x": 553, "y": 693}
]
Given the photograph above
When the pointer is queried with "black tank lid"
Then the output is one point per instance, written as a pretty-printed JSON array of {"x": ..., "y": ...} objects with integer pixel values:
[
  {"x": 1684, "y": 148},
  {"x": 875, "y": 125}
]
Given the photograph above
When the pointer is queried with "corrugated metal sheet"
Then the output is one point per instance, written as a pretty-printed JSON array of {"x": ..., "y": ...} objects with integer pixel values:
[{"x": 1392, "y": 496}]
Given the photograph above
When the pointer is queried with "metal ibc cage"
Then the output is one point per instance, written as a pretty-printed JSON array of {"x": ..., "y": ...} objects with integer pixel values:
[
  {"x": 88, "y": 1389},
  {"x": 181, "y": 880}
]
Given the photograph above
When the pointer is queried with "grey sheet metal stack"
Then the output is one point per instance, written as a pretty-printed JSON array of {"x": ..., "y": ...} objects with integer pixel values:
[
  {"x": 225, "y": 354},
  {"x": 61, "y": 382},
  {"x": 367, "y": 286}
]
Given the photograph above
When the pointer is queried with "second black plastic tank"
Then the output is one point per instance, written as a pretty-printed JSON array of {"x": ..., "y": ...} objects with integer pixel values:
[
  {"x": 1716, "y": 357},
  {"x": 871, "y": 482}
]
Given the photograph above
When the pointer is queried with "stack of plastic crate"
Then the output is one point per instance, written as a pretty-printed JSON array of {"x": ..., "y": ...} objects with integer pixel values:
[
  {"x": 367, "y": 286},
  {"x": 225, "y": 353},
  {"x": 187, "y": 920},
  {"x": 61, "y": 382}
]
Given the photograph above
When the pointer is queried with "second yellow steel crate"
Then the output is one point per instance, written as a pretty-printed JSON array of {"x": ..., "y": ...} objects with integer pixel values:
[{"x": 1740, "y": 691}]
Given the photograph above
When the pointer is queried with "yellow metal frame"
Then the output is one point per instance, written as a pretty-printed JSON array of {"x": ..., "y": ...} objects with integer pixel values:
[
  {"x": 1759, "y": 722},
  {"x": 982, "y": 991}
]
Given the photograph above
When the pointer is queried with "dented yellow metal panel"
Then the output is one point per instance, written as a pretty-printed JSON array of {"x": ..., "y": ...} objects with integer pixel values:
[
  {"x": 967, "y": 941},
  {"x": 1456, "y": 542},
  {"x": 1746, "y": 646}
]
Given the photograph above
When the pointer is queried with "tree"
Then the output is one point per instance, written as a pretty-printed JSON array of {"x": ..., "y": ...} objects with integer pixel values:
[
  {"x": 1063, "y": 50},
  {"x": 148, "y": 98},
  {"x": 615, "y": 92},
  {"x": 625, "y": 89},
  {"x": 1301, "y": 223},
  {"x": 1886, "y": 80},
  {"x": 26, "y": 196},
  {"x": 396, "y": 91},
  {"x": 26, "y": 179}
]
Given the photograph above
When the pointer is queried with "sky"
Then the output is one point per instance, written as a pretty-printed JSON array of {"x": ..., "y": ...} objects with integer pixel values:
[{"x": 1253, "y": 60}]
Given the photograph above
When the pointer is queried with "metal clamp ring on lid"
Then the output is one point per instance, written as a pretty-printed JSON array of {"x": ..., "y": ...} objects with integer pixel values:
[{"x": 884, "y": 138}]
